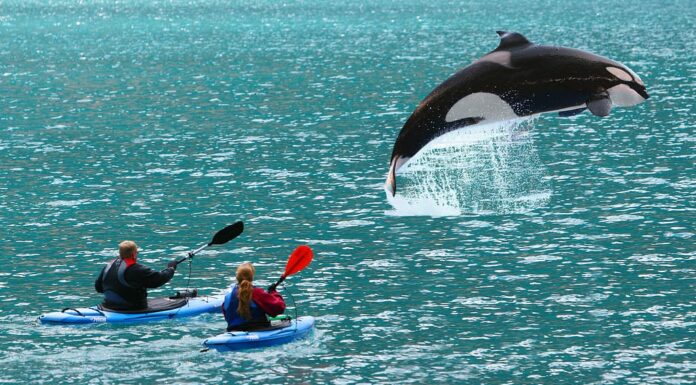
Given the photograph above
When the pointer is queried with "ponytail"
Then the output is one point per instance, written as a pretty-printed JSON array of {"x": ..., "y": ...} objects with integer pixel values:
[
  {"x": 244, "y": 295},
  {"x": 245, "y": 274}
]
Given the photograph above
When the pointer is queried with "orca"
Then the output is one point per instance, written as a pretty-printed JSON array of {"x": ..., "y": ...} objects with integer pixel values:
[{"x": 517, "y": 79}]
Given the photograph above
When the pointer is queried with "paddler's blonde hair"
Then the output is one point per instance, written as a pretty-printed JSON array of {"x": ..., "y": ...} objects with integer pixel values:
[
  {"x": 127, "y": 249},
  {"x": 245, "y": 275}
]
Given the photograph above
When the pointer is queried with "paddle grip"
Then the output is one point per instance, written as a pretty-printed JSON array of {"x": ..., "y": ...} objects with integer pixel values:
[
  {"x": 190, "y": 255},
  {"x": 273, "y": 287}
]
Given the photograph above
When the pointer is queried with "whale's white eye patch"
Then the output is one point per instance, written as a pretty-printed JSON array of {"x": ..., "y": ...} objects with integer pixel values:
[
  {"x": 619, "y": 73},
  {"x": 635, "y": 77}
]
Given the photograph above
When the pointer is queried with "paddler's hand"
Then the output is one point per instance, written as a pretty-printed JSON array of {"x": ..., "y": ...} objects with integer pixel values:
[
  {"x": 172, "y": 264},
  {"x": 271, "y": 288}
]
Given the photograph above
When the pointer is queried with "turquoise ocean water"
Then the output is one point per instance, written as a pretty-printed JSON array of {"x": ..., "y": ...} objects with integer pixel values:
[{"x": 164, "y": 121}]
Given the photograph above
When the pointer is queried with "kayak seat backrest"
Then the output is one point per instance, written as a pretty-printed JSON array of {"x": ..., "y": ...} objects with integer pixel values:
[{"x": 153, "y": 305}]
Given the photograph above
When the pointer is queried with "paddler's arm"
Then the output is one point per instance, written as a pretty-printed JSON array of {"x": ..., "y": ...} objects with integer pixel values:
[
  {"x": 271, "y": 303},
  {"x": 98, "y": 282},
  {"x": 149, "y": 278}
]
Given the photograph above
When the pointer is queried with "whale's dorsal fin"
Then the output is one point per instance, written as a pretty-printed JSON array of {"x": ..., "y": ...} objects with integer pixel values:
[{"x": 511, "y": 40}]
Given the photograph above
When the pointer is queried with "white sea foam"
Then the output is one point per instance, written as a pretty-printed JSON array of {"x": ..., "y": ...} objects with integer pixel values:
[
  {"x": 404, "y": 206},
  {"x": 490, "y": 168}
]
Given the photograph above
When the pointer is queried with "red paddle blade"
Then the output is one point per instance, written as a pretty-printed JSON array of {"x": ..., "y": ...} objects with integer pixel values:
[{"x": 299, "y": 259}]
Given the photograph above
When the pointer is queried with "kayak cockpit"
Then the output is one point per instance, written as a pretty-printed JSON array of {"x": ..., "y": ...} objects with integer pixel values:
[{"x": 153, "y": 305}]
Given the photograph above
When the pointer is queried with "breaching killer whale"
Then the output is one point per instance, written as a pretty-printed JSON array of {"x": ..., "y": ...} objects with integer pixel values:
[{"x": 515, "y": 80}]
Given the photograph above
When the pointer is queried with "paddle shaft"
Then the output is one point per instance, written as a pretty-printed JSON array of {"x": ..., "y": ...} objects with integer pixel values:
[
  {"x": 223, "y": 236},
  {"x": 191, "y": 254}
]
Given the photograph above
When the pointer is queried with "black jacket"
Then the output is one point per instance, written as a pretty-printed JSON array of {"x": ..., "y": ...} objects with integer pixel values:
[{"x": 125, "y": 287}]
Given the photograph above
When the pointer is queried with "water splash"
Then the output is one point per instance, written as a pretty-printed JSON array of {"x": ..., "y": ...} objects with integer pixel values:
[{"x": 492, "y": 168}]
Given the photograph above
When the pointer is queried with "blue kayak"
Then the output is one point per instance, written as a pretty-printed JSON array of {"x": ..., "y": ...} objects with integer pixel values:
[
  {"x": 158, "y": 309},
  {"x": 286, "y": 331}
]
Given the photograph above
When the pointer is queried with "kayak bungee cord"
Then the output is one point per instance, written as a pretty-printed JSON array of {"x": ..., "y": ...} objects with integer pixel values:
[
  {"x": 188, "y": 282},
  {"x": 294, "y": 305},
  {"x": 299, "y": 259}
]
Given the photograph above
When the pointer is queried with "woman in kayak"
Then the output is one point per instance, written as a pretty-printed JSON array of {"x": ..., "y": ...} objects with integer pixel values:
[{"x": 247, "y": 307}]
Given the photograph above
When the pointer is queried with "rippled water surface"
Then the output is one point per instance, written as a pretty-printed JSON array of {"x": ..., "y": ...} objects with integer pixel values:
[{"x": 163, "y": 121}]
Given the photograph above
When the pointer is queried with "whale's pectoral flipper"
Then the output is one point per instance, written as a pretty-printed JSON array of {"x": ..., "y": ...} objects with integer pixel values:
[
  {"x": 599, "y": 104},
  {"x": 568, "y": 113}
]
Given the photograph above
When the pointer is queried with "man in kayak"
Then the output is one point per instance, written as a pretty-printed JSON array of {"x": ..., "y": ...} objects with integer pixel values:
[
  {"x": 247, "y": 307},
  {"x": 124, "y": 282}
]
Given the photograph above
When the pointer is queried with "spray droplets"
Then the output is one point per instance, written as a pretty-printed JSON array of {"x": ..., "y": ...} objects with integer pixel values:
[{"x": 492, "y": 168}]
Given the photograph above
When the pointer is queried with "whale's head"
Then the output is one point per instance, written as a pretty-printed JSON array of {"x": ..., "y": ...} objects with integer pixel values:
[{"x": 629, "y": 89}]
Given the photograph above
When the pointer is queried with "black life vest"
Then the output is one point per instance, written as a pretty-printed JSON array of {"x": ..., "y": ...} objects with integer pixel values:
[{"x": 118, "y": 293}]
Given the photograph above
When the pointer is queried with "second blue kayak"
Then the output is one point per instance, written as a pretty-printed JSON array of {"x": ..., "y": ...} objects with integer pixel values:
[
  {"x": 289, "y": 331},
  {"x": 171, "y": 308}
]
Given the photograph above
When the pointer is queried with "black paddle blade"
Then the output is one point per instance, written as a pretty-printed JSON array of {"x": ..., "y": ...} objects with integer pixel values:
[{"x": 227, "y": 234}]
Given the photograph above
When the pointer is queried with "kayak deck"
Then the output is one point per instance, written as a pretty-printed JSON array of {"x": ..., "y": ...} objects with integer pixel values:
[
  {"x": 240, "y": 340},
  {"x": 191, "y": 307}
]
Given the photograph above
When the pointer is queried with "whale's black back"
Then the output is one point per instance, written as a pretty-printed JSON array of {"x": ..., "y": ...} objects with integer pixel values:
[{"x": 536, "y": 79}]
